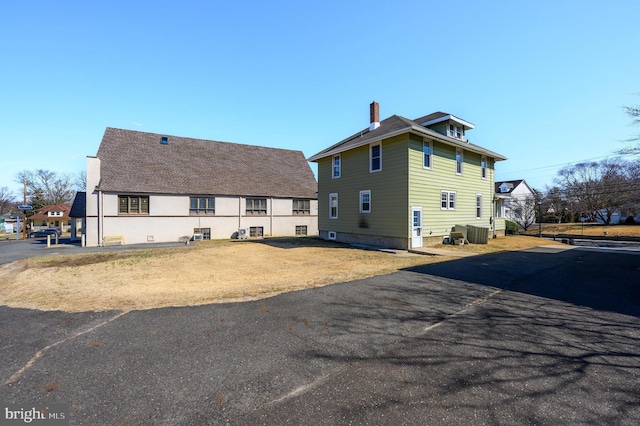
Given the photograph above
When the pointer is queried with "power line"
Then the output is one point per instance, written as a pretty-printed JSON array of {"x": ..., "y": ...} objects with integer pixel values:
[{"x": 558, "y": 165}]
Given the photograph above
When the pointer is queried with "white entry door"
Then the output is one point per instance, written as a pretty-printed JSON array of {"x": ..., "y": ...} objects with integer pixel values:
[{"x": 416, "y": 228}]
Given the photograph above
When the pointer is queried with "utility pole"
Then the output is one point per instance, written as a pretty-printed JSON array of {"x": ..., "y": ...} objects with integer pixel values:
[
  {"x": 24, "y": 212},
  {"x": 539, "y": 218}
]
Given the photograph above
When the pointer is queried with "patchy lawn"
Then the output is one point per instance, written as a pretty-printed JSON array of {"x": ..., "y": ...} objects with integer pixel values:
[
  {"x": 593, "y": 229},
  {"x": 212, "y": 271}
]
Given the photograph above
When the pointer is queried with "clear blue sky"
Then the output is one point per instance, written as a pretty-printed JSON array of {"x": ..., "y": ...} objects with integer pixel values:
[{"x": 544, "y": 82}]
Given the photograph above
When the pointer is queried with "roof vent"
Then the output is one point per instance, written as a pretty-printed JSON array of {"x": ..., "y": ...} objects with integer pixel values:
[{"x": 164, "y": 140}]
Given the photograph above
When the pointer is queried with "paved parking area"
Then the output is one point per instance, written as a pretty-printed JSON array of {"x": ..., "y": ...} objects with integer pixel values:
[{"x": 540, "y": 336}]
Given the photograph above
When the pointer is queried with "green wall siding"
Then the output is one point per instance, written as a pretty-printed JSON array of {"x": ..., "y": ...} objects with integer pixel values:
[
  {"x": 402, "y": 183},
  {"x": 388, "y": 191},
  {"x": 425, "y": 186}
]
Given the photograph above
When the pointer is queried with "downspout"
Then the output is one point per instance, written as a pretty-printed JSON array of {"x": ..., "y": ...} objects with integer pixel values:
[
  {"x": 271, "y": 217},
  {"x": 493, "y": 196},
  {"x": 100, "y": 218}
]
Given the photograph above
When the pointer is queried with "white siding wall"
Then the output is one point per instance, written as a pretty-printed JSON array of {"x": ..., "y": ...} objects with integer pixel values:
[{"x": 169, "y": 219}]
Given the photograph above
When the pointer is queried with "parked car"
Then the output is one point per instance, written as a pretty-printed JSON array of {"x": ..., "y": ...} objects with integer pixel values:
[{"x": 44, "y": 232}]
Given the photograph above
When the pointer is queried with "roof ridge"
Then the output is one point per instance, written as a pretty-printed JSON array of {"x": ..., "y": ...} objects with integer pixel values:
[{"x": 199, "y": 139}]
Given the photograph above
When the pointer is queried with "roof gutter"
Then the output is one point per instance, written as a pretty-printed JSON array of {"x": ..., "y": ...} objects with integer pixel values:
[
  {"x": 432, "y": 134},
  {"x": 365, "y": 143}
]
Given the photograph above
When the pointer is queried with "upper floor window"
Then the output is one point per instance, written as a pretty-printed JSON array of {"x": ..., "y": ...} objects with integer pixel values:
[
  {"x": 447, "y": 200},
  {"x": 459, "y": 161},
  {"x": 375, "y": 158},
  {"x": 202, "y": 205},
  {"x": 427, "y": 154},
  {"x": 333, "y": 206},
  {"x": 483, "y": 166},
  {"x": 53, "y": 214},
  {"x": 256, "y": 206},
  {"x": 130, "y": 204},
  {"x": 365, "y": 201},
  {"x": 455, "y": 131},
  {"x": 301, "y": 207},
  {"x": 336, "y": 167}
]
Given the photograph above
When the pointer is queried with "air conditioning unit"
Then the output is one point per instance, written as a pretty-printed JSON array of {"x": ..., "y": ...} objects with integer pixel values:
[
  {"x": 198, "y": 237},
  {"x": 243, "y": 233}
]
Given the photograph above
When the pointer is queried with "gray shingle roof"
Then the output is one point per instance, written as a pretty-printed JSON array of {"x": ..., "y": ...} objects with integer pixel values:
[
  {"x": 396, "y": 125},
  {"x": 511, "y": 184},
  {"x": 137, "y": 162},
  {"x": 79, "y": 206}
]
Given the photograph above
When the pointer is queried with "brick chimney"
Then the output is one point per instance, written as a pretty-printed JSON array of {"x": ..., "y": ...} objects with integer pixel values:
[{"x": 374, "y": 113}]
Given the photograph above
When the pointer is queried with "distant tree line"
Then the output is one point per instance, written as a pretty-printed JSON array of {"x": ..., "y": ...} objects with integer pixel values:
[
  {"x": 44, "y": 187},
  {"x": 593, "y": 191}
]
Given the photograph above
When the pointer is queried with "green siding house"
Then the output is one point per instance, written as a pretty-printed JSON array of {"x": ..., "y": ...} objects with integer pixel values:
[{"x": 401, "y": 183}]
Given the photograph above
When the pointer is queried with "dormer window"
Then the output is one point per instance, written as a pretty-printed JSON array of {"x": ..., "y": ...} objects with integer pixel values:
[
  {"x": 447, "y": 124},
  {"x": 456, "y": 132}
]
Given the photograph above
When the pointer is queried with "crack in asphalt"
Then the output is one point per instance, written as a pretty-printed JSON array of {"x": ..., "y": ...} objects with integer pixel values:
[
  {"x": 464, "y": 308},
  {"x": 41, "y": 352}
]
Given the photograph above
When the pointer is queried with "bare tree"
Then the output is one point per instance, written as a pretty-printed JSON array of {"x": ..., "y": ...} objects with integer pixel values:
[
  {"x": 80, "y": 181},
  {"x": 634, "y": 113},
  {"x": 46, "y": 187},
  {"x": 598, "y": 189},
  {"x": 523, "y": 211},
  {"x": 556, "y": 206},
  {"x": 8, "y": 200}
]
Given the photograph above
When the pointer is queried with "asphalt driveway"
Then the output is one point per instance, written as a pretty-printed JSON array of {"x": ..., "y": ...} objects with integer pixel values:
[{"x": 540, "y": 336}]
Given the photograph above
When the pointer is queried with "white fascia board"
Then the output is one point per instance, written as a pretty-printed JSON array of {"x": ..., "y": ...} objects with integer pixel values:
[
  {"x": 457, "y": 143},
  {"x": 358, "y": 145},
  {"x": 421, "y": 131},
  {"x": 464, "y": 123}
]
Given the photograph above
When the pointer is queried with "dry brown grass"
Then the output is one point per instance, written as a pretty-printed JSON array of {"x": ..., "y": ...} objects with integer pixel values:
[
  {"x": 588, "y": 229},
  {"x": 210, "y": 272},
  {"x": 509, "y": 243}
]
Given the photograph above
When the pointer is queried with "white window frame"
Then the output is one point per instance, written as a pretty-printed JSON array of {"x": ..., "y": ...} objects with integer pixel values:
[
  {"x": 460, "y": 164},
  {"x": 449, "y": 198},
  {"x": 483, "y": 167},
  {"x": 331, "y": 196},
  {"x": 479, "y": 206},
  {"x": 456, "y": 132},
  {"x": 362, "y": 194},
  {"x": 333, "y": 166},
  {"x": 371, "y": 170},
  {"x": 427, "y": 144}
]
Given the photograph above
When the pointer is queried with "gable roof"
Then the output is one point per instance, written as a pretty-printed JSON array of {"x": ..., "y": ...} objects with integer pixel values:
[
  {"x": 397, "y": 125},
  {"x": 42, "y": 213},
  {"x": 79, "y": 206},
  {"x": 137, "y": 162},
  {"x": 440, "y": 116},
  {"x": 511, "y": 184}
]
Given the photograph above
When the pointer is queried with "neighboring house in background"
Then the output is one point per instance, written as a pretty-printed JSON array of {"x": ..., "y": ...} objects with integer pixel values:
[
  {"x": 149, "y": 187},
  {"x": 51, "y": 216},
  {"x": 620, "y": 217},
  {"x": 510, "y": 194},
  {"x": 401, "y": 181}
]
